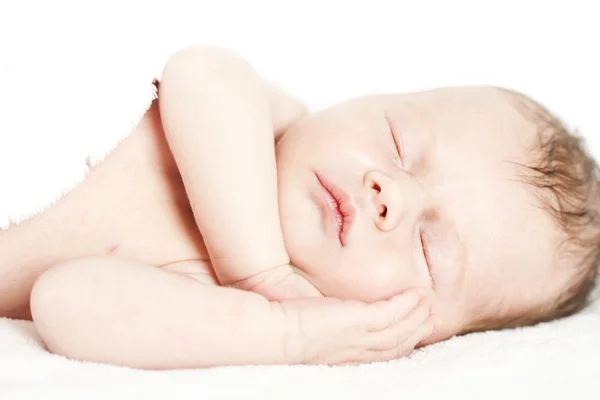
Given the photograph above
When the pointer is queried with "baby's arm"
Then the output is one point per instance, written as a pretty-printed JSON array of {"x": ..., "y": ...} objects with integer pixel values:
[
  {"x": 219, "y": 125},
  {"x": 285, "y": 109},
  {"x": 122, "y": 312}
]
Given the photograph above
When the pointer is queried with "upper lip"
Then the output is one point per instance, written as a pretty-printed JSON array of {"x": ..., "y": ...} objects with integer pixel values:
[{"x": 344, "y": 206}]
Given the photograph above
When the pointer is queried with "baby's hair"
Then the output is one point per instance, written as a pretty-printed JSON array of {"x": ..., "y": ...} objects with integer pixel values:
[{"x": 567, "y": 182}]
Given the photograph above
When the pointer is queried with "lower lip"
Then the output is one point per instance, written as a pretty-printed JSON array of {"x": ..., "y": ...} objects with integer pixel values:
[{"x": 331, "y": 208}]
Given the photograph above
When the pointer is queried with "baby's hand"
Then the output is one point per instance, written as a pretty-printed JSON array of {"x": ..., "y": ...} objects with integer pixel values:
[
  {"x": 278, "y": 283},
  {"x": 332, "y": 331}
]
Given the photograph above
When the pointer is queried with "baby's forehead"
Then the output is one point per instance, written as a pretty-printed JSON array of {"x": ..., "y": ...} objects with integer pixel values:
[
  {"x": 513, "y": 244},
  {"x": 486, "y": 118},
  {"x": 488, "y": 113},
  {"x": 483, "y": 141}
]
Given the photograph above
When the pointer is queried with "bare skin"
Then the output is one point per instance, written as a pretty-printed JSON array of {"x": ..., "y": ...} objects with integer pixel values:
[
  {"x": 137, "y": 182},
  {"x": 421, "y": 191},
  {"x": 132, "y": 213}
]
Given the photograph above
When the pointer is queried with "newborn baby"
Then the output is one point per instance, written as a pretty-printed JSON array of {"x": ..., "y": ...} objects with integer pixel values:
[{"x": 354, "y": 234}]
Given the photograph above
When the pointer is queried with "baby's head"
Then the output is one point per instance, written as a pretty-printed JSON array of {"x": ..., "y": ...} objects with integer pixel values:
[{"x": 479, "y": 195}]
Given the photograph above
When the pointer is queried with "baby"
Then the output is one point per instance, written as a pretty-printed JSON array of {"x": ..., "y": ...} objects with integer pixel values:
[{"x": 355, "y": 234}]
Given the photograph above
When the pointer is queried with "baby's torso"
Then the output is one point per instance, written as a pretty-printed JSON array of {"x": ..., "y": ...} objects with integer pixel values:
[{"x": 132, "y": 205}]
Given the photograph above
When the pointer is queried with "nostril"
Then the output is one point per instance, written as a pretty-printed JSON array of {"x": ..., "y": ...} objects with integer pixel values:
[
  {"x": 382, "y": 211},
  {"x": 376, "y": 187}
]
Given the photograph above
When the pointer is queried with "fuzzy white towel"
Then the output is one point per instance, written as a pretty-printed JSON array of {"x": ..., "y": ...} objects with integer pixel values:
[
  {"x": 76, "y": 78},
  {"x": 551, "y": 361}
]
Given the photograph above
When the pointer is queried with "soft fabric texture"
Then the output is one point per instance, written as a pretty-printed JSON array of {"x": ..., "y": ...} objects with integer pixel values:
[
  {"x": 550, "y": 361},
  {"x": 68, "y": 101}
]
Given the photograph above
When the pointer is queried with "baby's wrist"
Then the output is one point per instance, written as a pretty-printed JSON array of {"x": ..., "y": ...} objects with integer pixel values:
[
  {"x": 289, "y": 340},
  {"x": 271, "y": 276},
  {"x": 279, "y": 283}
]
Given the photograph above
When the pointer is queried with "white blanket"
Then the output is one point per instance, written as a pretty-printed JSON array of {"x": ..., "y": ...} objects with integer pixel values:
[
  {"x": 73, "y": 86},
  {"x": 550, "y": 361}
]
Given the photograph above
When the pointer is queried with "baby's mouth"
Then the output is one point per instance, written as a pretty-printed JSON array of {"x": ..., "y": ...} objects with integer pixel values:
[{"x": 338, "y": 202}]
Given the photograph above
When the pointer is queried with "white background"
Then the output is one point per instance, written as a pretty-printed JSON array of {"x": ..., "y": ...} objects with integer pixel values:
[{"x": 75, "y": 75}]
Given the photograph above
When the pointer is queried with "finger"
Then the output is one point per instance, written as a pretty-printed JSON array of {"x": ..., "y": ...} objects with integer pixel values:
[
  {"x": 395, "y": 335},
  {"x": 404, "y": 348},
  {"x": 422, "y": 333},
  {"x": 436, "y": 326},
  {"x": 388, "y": 313}
]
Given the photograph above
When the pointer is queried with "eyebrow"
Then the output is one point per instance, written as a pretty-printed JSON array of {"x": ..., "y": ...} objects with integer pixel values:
[
  {"x": 427, "y": 140},
  {"x": 459, "y": 257},
  {"x": 462, "y": 256}
]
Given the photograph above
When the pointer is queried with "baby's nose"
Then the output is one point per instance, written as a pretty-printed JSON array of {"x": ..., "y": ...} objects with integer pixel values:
[{"x": 384, "y": 193}]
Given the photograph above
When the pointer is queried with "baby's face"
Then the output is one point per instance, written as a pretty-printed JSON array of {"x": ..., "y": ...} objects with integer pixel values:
[{"x": 426, "y": 195}]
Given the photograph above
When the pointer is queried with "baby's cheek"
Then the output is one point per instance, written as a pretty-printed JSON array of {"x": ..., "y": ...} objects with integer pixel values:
[
  {"x": 362, "y": 277},
  {"x": 377, "y": 281}
]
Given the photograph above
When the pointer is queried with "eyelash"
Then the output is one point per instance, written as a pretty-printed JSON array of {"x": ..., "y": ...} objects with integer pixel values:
[
  {"x": 398, "y": 147},
  {"x": 425, "y": 253}
]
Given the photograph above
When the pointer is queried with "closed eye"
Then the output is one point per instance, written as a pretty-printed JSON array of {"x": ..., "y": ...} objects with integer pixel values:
[
  {"x": 426, "y": 255},
  {"x": 395, "y": 139}
]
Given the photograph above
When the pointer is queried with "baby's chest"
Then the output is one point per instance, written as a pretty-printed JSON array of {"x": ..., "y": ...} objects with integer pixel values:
[
  {"x": 132, "y": 205},
  {"x": 153, "y": 220}
]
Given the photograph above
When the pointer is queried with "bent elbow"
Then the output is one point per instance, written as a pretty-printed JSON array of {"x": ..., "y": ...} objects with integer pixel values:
[{"x": 198, "y": 62}]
